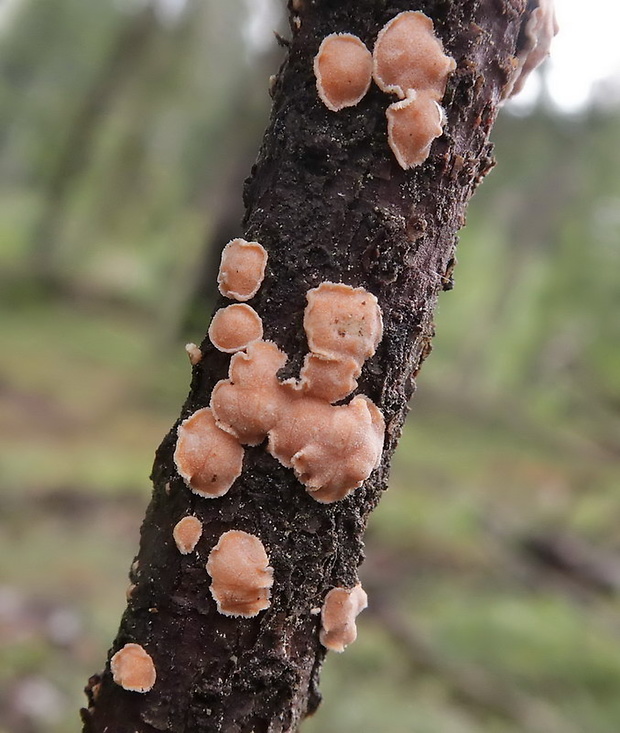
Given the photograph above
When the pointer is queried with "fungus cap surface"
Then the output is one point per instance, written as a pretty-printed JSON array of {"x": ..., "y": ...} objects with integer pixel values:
[
  {"x": 240, "y": 574},
  {"x": 242, "y": 269},
  {"x": 235, "y": 327},
  {"x": 408, "y": 55},
  {"x": 207, "y": 457},
  {"x": 133, "y": 669},
  {"x": 343, "y": 70},
  {"x": 251, "y": 400},
  {"x": 332, "y": 449},
  {"x": 329, "y": 379},
  {"x": 340, "y": 609},
  {"x": 186, "y": 533},
  {"x": 341, "y": 321},
  {"x": 413, "y": 124}
]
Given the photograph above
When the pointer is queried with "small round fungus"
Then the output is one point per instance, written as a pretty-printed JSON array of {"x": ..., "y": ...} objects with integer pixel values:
[
  {"x": 340, "y": 609},
  {"x": 341, "y": 321},
  {"x": 194, "y": 354},
  {"x": 207, "y": 457},
  {"x": 408, "y": 55},
  {"x": 240, "y": 574},
  {"x": 343, "y": 70},
  {"x": 235, "y": 327},
  {"x": 328, "y": 379},
  {"x": 251, "y": 400},
  {"x": 413, "y": 124},
  {"x": 242, "y": 269},
  {"x": 133, "y": 669},
  {"x": 186, "y": 533}
]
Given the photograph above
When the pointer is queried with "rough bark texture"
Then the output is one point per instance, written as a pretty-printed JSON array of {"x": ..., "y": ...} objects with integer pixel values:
[{"x": 329, "y": 202}]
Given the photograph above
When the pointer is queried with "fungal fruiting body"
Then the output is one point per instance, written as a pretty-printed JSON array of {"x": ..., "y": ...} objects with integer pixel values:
[
  {"x": 242, "y": 269},
  {"x": 208, "y": 458},
  {"x": 333, "y": 449},
  {"x": 240, "y": 574},
  {"x": 341, "y": 321},
  {"x": 133, "y": 669},
  {"x": 343, "y": 71},
  {"x": 408, "y": 55},
  {"x": 540, "y": 29},
  {"x": 186, "y": 533},
  {"x": 235, "y": 327},
  {"x": 409, "y": 61},
  {"x": 413, "y": 124},
  {"x": 328, "y": 379},
  {"x": 250, "y": 402},
  {"x": 340, "y": 609},
  {"x": 343, "y": 326},
  {"x": 194, "y": 354}
]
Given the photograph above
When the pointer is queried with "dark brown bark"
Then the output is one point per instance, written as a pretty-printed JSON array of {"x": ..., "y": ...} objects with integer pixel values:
[{"x": 329, "y": 202}]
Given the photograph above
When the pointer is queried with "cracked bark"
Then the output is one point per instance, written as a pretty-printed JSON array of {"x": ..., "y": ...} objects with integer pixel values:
[{"x": 328, "y": 201}]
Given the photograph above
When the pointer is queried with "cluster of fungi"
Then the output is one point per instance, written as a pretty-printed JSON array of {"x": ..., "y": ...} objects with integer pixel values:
[
  {"x": 407, "y": 61},
  {"x": 332, "y": 448}
]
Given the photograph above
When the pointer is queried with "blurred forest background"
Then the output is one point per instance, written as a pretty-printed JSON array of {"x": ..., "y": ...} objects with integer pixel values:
[{"x": 493, "y": 563}]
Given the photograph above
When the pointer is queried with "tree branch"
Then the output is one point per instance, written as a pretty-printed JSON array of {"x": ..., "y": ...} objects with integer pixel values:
[{"x": 329, "y": 202}]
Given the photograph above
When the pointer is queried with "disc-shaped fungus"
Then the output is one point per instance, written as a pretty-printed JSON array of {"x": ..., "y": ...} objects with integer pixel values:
[
  {"x": 133, "y": 669},
  {"x": 332, "y": 450},
  {"x": 242, "y": 269},
  {"x": 413, "y": 124},
  {"x": 235, "y": 327},
  {"x": 240, "y": 574},
  {"x": 250, "y": 402},
  {"x": 340, "y": 608},
  {"x": 187, "y": 531},
  {"x": 408, "y": 55},
  {"x": 342, "y": 322},
  {"x": 343, "y": 70},
  {"x": 328, "y": 379},
  {"x": 207, "y": 457}
]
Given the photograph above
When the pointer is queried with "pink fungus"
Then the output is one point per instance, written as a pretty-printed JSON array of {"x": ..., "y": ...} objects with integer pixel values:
[
  {"x": 251, "y": 400},
  {"x": 408, "y": 55},
  {"x": 343, "y": 70},
  {"x": 186, "y": 533},
  {"x": 340, "y": 609},
  {"x": 208, "y": 458},
  {"x": 413, "y": 124},
  {"x": 342, "y": 322},
  {"x": 328, "y": 379},
  {"x": 332, "y": 450},
  {"x": 235, "y": 327},
  {"x": 133, "y": 669},
  {"x": 240, "y": 574},
  {"x": 242, "y": 269}
]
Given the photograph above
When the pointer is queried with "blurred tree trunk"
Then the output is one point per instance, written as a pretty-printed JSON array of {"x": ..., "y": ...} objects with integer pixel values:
[
  {"x": 329, "y": 202},
  {"x": 126, "y": 54}
]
